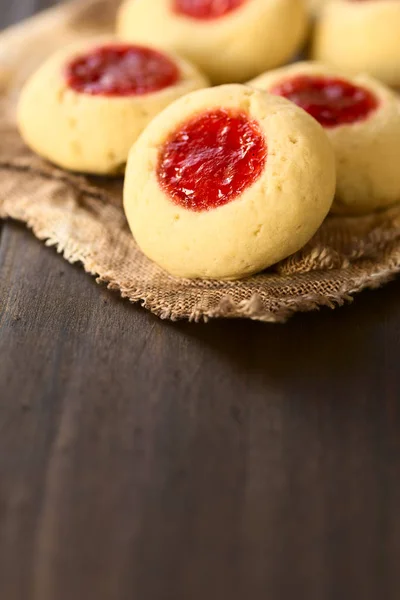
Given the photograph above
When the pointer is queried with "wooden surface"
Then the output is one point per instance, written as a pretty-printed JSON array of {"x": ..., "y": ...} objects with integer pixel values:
[{"x": 157, "y": 461}]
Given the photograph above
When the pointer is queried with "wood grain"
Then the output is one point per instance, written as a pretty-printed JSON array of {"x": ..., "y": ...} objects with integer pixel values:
[{"x": 158, "y": 461}]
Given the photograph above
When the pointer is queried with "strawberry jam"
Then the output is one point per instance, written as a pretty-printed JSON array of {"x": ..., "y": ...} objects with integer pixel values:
[
  {"x": 210, "y": 160},
  {"x": 121, "y": 70},
  {"x": 330, "y": 100},
  {"x": 206, "y": 10}
]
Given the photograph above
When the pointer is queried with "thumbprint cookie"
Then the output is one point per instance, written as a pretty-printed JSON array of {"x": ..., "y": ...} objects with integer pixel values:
[
  {"x": 86, "y": 106},
  {"x": 230, "y": 41},
  {"x": 228, "y": 181},
  {"x": 361, "y": 36},
  {"x": 362, "y": 119}
]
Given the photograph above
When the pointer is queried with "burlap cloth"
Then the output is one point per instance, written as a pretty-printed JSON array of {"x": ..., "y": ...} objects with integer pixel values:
[{"x": 83, "y": 218}]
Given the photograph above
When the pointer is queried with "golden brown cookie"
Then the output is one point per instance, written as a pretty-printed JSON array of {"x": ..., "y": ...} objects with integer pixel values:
[
  {"x": 362, "y": 119},
  {"x": 226, "y": 182},
  {"x": 230, "y": 41},
  {"x": 84, "y": 108},
  {"x": 361, "y": 36}
]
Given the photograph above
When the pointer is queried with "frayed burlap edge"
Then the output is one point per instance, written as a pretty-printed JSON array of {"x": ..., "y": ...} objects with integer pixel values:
[{"x": 351, "y": 281}]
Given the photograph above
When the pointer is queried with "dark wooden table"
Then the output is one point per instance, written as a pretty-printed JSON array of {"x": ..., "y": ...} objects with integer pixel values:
[{"x": 147, "y": 460}]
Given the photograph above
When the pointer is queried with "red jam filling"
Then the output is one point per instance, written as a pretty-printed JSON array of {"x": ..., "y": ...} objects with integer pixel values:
[
  {"x": 330, "y": 100},
  {"x": 210, "y": 160},
  {"x": 121, "y": 70},
  {"x": 206, "y": 9}
]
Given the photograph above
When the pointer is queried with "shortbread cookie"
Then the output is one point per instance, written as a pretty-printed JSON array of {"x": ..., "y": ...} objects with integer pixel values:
[
  {"x": 362, "y": 119},
  {"x": 231, "y": 40},
  {"x": 226, "y": 182},
  {"x": 361, "y": 36},
  {"x": 87, "y": 104}
]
